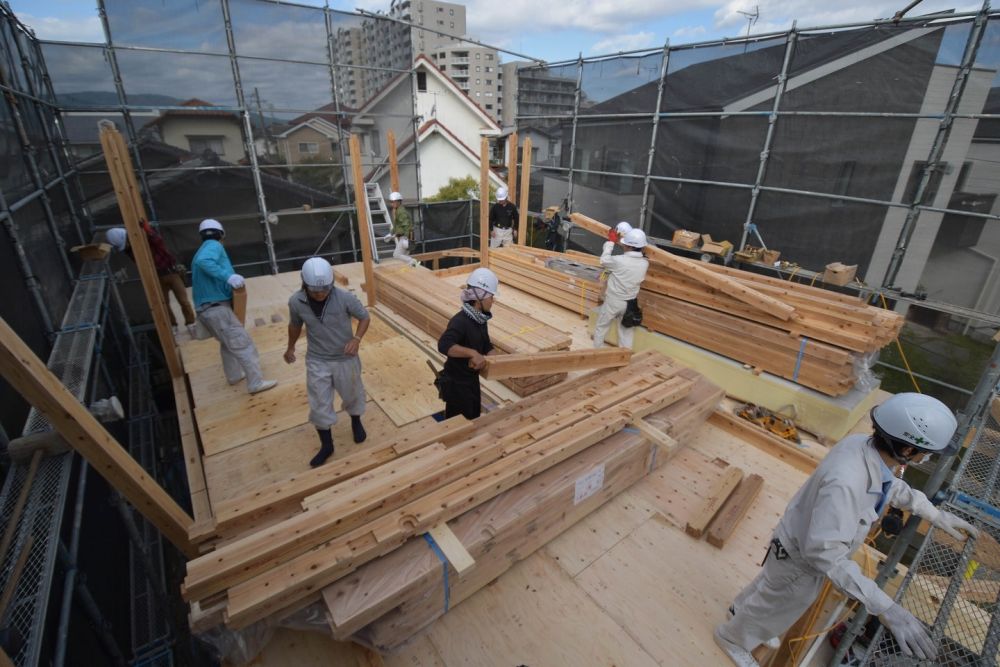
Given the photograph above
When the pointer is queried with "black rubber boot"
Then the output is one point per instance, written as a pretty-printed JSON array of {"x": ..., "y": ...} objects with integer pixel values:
[
  {"x": 325, "y": 447},
  {"x": 357, "y": 429}
]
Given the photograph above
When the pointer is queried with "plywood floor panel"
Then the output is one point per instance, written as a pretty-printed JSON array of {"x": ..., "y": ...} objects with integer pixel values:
[{"x": 399, "y": 380}]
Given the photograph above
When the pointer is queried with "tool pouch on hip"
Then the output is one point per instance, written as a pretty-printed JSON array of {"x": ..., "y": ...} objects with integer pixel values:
[
  {"x": 441, "y": 382},
  {"x": 633, "y": 314}
]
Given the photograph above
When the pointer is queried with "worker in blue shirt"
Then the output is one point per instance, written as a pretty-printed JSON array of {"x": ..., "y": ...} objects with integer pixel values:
[{"x": 213, "y": 281}]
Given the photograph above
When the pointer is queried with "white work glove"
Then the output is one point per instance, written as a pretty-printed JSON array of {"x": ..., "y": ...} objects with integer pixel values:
[
  {"x": 910, "y": 633},
  {"x": 955, "y": 526},
  {"x": 235, "y": 281},
  {"x": 387, "y": 237}
]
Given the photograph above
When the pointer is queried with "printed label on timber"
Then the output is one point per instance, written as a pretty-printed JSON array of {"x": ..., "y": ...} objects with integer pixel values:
[{"x": 589, "y": 484}]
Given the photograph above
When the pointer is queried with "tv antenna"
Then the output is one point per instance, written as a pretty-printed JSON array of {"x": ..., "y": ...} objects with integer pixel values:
[{"x": 751, "y": 18}]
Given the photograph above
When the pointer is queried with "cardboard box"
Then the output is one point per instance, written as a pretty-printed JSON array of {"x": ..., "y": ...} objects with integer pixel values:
[
  {"x": 722, "y": 248},
  {"x": 685, "y": 239},
  {"x": 839, "y": 274},
  {"x": 770, "y": 256}
]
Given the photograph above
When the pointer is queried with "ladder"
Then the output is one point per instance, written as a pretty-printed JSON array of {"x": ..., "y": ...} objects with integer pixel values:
[{"x": 379, "y": 222}]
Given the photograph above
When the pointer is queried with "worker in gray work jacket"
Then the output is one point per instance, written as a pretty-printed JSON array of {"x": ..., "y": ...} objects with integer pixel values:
[
  {"x": 625, "y": 274},
  {"x": 332, "y": 362},
  {"x": 830, "y": 517}
]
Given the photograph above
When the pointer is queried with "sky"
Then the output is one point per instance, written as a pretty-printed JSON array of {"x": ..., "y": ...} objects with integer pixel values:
[{"x": 551, "y": 31}]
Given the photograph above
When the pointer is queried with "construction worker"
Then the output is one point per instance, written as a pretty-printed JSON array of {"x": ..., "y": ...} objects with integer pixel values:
[
  {"x": 466, "y": 342},
  {"x": 213, "y": 281},
  {"x": 170, "y": 273},
  {"x": 829, "y": 518},
  {"x": 332, "y": 362},
  {"x": 402, "y": 227},
  {"x": 503, "y": 217},
  {"x": 625, "y": 273}
]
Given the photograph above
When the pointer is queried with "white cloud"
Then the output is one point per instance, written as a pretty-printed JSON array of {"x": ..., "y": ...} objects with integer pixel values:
[
  {"x": 779, "y": 14},
  {"x": 487, "y": 18},
  {"x": 616, "y": 43},
  {"x": 71, "y": 30},
  {"x": 688, "y": 33}
]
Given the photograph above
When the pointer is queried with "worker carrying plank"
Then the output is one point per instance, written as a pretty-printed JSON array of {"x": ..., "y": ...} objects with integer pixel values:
[
  {"x": 332, "y": 361},
  {"x": 503, "y": 218},
  {"x": 829, "y": 518},
  {"x": 625, "y": 274},
  {"x": 402, "y": 227},
  {"x": 212, "y": 282},
  {"x": 168, "y": 270},
  {"x": 465, "y": 342}
]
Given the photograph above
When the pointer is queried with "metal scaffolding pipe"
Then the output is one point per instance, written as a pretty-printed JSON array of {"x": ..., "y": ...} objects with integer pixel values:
[
  {"x": 572, "y": 139},
  {"x": 644, "y": 223}
]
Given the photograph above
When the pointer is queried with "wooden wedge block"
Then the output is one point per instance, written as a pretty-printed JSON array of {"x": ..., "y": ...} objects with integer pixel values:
[
  {"x": 452, "y": 548},
  {"x": 723, "y": 489},
  {"x": 733, "y": 511}
]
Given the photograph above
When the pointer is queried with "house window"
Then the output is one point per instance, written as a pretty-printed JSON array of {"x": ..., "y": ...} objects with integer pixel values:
[
  {"x": 422, "y": 82},
  {"x": 375, "y": 143},
  {"x": 452, "y": 24},
  {"x": 477, "y": 93},
  {"x": 489, "y": 56},
  {"x": 489, "y": 69},
  {"x": 440, "y": 22},
  {"x": 477, "y": 82},
  {"x": 553, "y": 146},
  {"x": 201, "y": 143},
  {"x": 489, "y": 93},
  {"x": 489, "y": 106},
  {"x": 440, "y": 9},
  {"x": 963, "y": 177},
  {"x": 478, "y": 68},
  {"x": 489, "y": 82},
  {"x": 477, "y": 56},
  {"x": 451, "y": 11},
  {"x": 308, "y": 148}
]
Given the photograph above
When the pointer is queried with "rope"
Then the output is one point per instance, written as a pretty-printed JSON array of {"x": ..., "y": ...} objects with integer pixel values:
[
  {"x": 798, "y": 359},
  {"x": 902, "y": 355}
]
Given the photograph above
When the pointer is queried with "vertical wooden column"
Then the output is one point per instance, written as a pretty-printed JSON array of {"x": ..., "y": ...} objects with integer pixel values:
[
  {"x": 133, "y": 214},
  {"x": 522, "y": 218},
  {"x": 390, "y": 137},
  {"x": 484, "y": 203},
  {"x": 36, "y": 383},
  {"x": 512, "y": 169},
  {"x": 361, "y": 198}
]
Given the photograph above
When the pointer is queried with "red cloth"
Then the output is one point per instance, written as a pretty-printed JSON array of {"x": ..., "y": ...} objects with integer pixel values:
[{"x": 162, "y": 258}]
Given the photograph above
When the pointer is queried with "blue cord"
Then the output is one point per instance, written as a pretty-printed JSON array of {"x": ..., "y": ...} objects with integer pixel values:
[{"x": 444, "y": 565}]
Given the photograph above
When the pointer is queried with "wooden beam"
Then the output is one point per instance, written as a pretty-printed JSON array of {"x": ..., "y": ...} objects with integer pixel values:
[
  {"x": 512, "y": 169},
  {"x": 361, "y": 199},
  {"x": 726, "y": 485},
  {"x": 452, "y": 548},
  {"x": 734, "y": 510},
  {"x": 31, "y": 379},
  {"x": 390, "y": 137},
  {"x": 484, "y": 202},
  {"x": 779, "y": 448},
  {"x": 522, "y": 221},
  {"x": 240, "y": 304},
  {"x": 502, "y": 366},
  {"x": 666, "y": 443},
  {"x": 696, "y": 271},
  {"x": 133, "y": 214}
]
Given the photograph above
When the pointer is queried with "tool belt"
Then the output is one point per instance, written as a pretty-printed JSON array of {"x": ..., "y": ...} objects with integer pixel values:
[
  {"x": 779, "y": 551},
  {"x": 633, "y": 314}
]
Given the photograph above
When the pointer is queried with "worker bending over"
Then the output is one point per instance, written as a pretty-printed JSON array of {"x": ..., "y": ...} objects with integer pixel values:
[
  {"x": 332, "y": 362},
  {"x": 625, "y": 274},
  {"x": 829, "y": 518},
  {"x": 466, "y": 342},
  {"x": 402, "y": 227},
  {"x": 213, "y": 281},
  {"x": 170, "y": 273},
  {"x": 503, "y": 217}
]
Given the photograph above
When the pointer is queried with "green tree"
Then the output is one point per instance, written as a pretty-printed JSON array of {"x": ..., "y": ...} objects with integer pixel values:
[
  {"x": 459, "y": 189},
  {"x": 327, "y": 178}
]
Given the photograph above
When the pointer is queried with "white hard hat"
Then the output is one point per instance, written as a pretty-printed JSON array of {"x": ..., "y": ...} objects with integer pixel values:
[
  {"x": 317, "y": 273},
  {"x": 623, "y": 228},
  {"x": 635, "y": 238},
  {"x": 916, "y": 420},
  {"x": 210, "y": 223},
  {"x": 395, "y": 196},
  {"x": 501, "y": 193},
  {"x": 484, "y": 279},
  {"x": 118, "y": 237}
]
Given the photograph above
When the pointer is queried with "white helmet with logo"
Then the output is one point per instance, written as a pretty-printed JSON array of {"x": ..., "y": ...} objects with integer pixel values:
[
  {"x": 635, "y": 238},
  {"x": 118, "y": 237},
  {"x": 211, "y": 229},
  {"x": 501, "y": 193},
  {"x": 395, "y": 196},
  {"x": 623, "y": 228},
  {"x": 484, "y": 279},
  {"x": 317, "y": 273},
  {"x": 916, "y": 420}
]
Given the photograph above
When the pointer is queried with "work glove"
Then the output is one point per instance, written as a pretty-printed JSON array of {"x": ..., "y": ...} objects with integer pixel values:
[
  {"x": 613, "y": 236},
  {"x": 955, "y": 526},
  {"x": 235, "y": 281},
  {"x": 909, "y": 633},
  {"x": 387, "y": 237}
]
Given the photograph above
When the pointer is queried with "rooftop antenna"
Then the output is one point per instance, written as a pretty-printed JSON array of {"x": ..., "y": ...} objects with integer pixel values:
[{"x": 751, "y": 18}]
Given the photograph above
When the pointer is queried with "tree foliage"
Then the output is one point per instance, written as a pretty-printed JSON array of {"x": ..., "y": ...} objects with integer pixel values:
[{"x": 460, "y": 189}]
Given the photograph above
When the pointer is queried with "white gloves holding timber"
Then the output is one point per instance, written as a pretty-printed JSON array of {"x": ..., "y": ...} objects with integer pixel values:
[
  {"x": 235, "y": 281},
  {"x": 955, "y": 526}
]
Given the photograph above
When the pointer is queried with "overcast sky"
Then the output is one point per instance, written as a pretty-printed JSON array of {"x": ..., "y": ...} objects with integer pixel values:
[{"x": 548, "y": 30}]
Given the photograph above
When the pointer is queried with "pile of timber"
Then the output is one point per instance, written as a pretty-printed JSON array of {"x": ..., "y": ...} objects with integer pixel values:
[
  {"x": 419, "y": 296},
  {"x": 439, "y": 473},
  {"x": 537, "y": 272}
]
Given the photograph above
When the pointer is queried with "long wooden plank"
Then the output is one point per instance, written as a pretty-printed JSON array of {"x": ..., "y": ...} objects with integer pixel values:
[
  {"x": 800, "y": 459},
  {"x": 512, "y": 170},
  {"x": 36, "y": 383},
  {"x": 361, "y": 201},
  {"x": 452, "y": 548},
  {"x": 558, "y": 361},
  {"x": 484, "y": 202},
  {"x": 697, "y": 525},
  {"x": 390, "y": 140},
  {"x": 240, "y": 304},
  {"x": 734, "y": 510},
  {"x": 696, "y": 270},
  {"x": 522, "y": 220}
]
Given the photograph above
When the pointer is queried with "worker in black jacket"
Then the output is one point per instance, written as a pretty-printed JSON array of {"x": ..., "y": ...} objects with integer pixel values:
[
  {"x": 503, "y": 221},
  {"x": 466, "y": 342}
]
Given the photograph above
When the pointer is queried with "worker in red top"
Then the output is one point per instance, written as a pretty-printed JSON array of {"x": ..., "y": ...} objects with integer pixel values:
[{"x": 171, "y": 273}]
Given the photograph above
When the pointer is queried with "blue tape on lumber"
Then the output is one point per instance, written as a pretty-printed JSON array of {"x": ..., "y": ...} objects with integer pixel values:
[
  {"x": 798, "y": 359},
  {"x": 444, "y": 565}
]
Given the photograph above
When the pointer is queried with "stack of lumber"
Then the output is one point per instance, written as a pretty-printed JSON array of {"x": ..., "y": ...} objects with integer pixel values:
[
  {"x": 531, "y": 270},
  {"x": 387, "y": 601},
  {"x": 283, "y": 561},
  {"x": 419, "y": 296}
]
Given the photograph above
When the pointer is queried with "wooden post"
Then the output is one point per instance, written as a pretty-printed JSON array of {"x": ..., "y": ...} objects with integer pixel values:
[
  {"x": 484, "y": 203},
  {"x": 240, "y": 304},
  {"x": 522, "y": 218},
  {"x": 29, "y": 377},
  {"x": 512, "y": 169},
  {"x": 133, "y": 215},
  {"x": 361, "y": 197},
  {"x": 393, "y": 161}
]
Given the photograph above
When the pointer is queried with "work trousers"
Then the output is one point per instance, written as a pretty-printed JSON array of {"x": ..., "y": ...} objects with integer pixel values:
[
  {"x": 174, "y": 283},
  {"x": 462, "y": 398},
  {"x": 402, "y": 247},
  {"x": 502, "y": 237},
  {"x": 239, "y": 354},
  {"x": 779, "y": 594},
  {"x": 611, "y": 311},
  {"x": 325, "y": 377}
]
